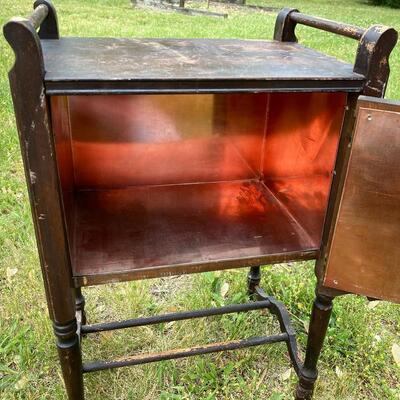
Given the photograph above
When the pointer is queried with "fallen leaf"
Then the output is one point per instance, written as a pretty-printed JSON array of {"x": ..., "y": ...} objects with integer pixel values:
[
  {"x": 306, "y": 326},
  {"x": 286, "y": 375},
  {"x": 21, "y": 383},
  {"x": 339, "y": 372},
  {"x": 372, "y": 304},
  {"x": 396, "y": 353},
  {"x": 224, "y": 289},
  {"x": 376, "y": 340},
  {"x": 11, "y": 272}
]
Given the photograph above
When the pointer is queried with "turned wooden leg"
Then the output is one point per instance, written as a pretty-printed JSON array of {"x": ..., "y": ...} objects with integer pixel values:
[
  {"x": 253, "y": 280},
  {"x": 69, "y": 352},
  {"x": 321, "y": 312},
  {"x": 80, "y": 305}
]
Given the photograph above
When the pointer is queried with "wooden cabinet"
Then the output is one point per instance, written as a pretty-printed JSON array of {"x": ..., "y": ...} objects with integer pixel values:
[
  {"x": 178, "y": 183},
  {"x": 153, "y": 157}
]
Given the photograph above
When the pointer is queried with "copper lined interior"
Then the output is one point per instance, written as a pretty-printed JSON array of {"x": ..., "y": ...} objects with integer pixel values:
[{"x": 151, "y": 181}]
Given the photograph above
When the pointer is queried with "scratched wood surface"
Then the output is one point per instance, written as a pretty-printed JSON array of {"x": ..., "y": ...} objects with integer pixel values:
[{"x": 98, "y": 63}]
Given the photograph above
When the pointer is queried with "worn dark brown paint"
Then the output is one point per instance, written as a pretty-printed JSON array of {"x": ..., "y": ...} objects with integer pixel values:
[
  {"x": 375, "y": 45},
  {"x": 321, "y": 312},
  {"x": 39, "y": 157},
  {"x": 183, "y": 353},
  {"x": 288, "y": 18},
  {"x": 37, "y": 145},
  {"x": 207, "y": 66},
  {"x": 253, "y": 279},
  {"x": 265, "y": 303},
  {"x": 372, "y": 58},
  {"x": 285, "y": 27},
  {"x": 48, "y": 29},
  {"x": 93, "y": 66}
]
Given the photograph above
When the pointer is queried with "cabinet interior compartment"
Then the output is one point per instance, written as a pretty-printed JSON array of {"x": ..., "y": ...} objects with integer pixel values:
[{"x": 153, "y": 184}]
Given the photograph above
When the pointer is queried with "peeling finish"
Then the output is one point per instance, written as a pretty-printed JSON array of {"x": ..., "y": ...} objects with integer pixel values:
[
  {"x": 370, "y": 47},
  {"x": 347, "y": 30},
  {"x": 381, "y": 28},
  {"x": 42, "y": 99},
  {"x": 182, "y": 353},
  {"x": 32, "y": 176},
  {"x": 84, "y": 64}
]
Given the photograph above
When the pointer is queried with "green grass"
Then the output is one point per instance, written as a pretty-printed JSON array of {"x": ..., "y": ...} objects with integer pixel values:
[{"x": 356, "y": 363}]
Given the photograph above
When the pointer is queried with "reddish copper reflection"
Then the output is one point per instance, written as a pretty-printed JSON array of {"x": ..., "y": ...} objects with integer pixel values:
[
  {"x": 162, "y": 139},
  {"x": 302, "y": 134},
  {"x": 142, "y": 168},
  {"x": 62, "y": 139},
  {"x": 303, "y": 131},
  {"x": 365, "y": 254},
  {"x": 306, "y": 199},
  {"x": 154, "y": 227}
]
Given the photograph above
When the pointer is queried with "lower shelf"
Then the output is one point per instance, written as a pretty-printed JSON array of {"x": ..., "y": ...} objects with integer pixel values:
[{"x": 150, "y": 231}]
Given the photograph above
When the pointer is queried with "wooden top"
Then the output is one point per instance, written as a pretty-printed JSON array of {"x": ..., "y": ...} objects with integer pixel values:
[{"x": 99, "y": 65}]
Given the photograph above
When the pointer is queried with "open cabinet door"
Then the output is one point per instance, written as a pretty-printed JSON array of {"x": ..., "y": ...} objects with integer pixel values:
[{"x": 364, "y": 251}]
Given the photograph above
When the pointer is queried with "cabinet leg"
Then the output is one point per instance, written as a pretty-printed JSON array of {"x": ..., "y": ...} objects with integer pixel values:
[
  {"x": 80, "y": 305},
  {"x": 321, "y": 312},
  {"x": 253, "y": 280},
  {"x": 69, "y": 352}
]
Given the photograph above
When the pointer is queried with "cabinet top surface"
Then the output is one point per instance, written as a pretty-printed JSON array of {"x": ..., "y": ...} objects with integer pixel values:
[{"x": 97, "y": 65}]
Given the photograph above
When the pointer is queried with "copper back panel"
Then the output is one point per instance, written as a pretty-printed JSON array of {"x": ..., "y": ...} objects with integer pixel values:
[
  {"x": 364, "y": 257},
  {"x": 122, "y": 141}
]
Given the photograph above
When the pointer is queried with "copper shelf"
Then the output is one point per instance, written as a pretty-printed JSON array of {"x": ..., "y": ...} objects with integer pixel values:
[{"x": 146, "y": 231}]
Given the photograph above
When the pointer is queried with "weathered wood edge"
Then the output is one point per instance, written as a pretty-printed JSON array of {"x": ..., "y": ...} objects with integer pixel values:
[
  {"x": 49, "y": 27},
  {"x": 38, "y": 154}
]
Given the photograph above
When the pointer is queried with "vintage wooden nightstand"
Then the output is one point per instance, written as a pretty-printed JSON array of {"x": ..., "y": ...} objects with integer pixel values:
[{"x": 153, "y": 157}]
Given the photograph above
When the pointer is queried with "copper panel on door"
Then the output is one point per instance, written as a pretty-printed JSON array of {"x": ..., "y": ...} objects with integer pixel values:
[{"x": 364, "y": 256}]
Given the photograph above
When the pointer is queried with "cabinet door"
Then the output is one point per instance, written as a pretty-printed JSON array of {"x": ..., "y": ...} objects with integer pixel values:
[{"x": 364, "y": 251}]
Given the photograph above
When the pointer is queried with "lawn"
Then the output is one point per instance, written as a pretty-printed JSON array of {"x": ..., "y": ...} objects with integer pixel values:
[{"x": 357, "y": 361}]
